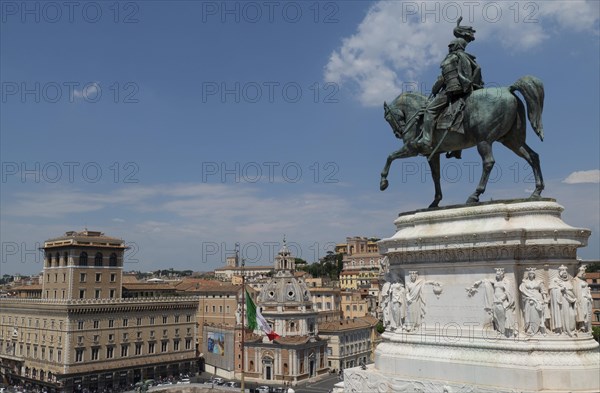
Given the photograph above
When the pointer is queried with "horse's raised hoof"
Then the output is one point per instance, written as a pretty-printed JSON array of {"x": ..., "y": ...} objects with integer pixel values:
[
  {"x": 472, "y": 199},
  {"x": 383, "y": 185}
]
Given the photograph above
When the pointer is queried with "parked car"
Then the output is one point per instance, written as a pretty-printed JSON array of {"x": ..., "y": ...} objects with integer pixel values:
[
  {"x": 231, "y": 384},
  {"x": 263, "y": 389},
  {"x": 184, "y": 381},
  {"x": 217, "y": 381}
]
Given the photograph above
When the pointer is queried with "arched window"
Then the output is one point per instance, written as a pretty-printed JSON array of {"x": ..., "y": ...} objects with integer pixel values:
[
  {"x": 113, "y": 259},
  {"x": 83, "y": 259},
  {"x": 98, "y": 259}
]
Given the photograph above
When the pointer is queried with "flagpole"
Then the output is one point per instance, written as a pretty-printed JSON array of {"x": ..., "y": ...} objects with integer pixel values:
[{"x": 243, "y": 312}]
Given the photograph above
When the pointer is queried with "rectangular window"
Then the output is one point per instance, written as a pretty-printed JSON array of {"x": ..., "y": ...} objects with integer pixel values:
[
  {"x": 98, "y": 277},
  {"x": 188, "y": 343},
  {"x": 150, "y": 347},
  {"x": 124, "y": 350},
  {"x": 125, "y": 336},
  {"x": 176, "y": 345},
  {"x": 79, "y": 355},
  {"x": 138, "y": 348},
  {"x": 125, "y": 322},
  {"x": 165, "y": 319},
  {"x": 111, "y": 323},
  {"x": 151, "y": 320},
  {"x": 164, "y": 346},
  {"x": 111, "y": 338},
  {"x": 96, "y": 324},
  {"x": 112, "y": 293},
  {"x": 82, "y": 277},
  {"x": 95, "y": 353},
  {"x": 139, "y": 321},
  {"x": 82, "y": 293},
  {"x": 113, "y": 277},
  {"x": 79, "y": 325},
  {"x": 176, "y": 318},
  {"x": 58, "y": 355},
  {"x": 110, "y": 352},
  {"x": 97, "y": 293}
]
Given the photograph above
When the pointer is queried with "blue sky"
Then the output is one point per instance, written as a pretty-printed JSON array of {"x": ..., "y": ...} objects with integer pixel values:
[{"x": 184, "y": 127}]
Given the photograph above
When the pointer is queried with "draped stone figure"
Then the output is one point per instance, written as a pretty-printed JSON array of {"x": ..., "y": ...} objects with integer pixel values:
[
  {"x": 583, "y": 312},
  {"x": 562, "y": 303},
  {"x": 499, "y": 301},
  {"x": 415, "y": 305},
  {"x": 535, "y": 303},
  {"x": 398, "y": 305},
  {"x": 385, "y": 302}
]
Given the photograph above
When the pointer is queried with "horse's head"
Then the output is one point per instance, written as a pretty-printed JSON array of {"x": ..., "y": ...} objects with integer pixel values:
[
  {"x": 401, "y": 111},
  {"x": 395, "y": 119}
]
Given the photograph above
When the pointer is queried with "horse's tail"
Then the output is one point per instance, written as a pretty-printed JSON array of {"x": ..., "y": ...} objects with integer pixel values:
[{"x": 532, "y": 90}]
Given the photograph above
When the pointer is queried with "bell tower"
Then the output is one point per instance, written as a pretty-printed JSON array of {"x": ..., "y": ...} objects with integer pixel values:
[{"x": 83, "y": 265}]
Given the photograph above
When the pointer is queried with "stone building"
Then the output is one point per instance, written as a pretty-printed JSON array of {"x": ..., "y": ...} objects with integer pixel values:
[
  {"x": 83, "y": 334},
  {"x": 327, "y": 303},
  {"x": 351, "y": 342},
  {"x": 360, "y": 253},
  {"x": 299, "y": 354}
]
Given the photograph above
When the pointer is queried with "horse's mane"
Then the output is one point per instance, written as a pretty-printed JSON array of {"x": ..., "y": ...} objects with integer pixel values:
[{"x": 409, "y": 100}]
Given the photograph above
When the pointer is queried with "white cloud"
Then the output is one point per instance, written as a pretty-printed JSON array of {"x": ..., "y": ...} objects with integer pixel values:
[
  {"x": 591, "y": 176},
  {"x": 88, "y": 91},
  {"x": 397, "y": 40}
]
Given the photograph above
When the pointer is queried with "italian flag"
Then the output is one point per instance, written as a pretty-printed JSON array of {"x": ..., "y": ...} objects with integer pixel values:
[{"x": 256, "y": 320}]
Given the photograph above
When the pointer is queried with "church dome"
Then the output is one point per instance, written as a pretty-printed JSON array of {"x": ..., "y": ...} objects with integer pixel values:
[{"x": 284, "y": 288}]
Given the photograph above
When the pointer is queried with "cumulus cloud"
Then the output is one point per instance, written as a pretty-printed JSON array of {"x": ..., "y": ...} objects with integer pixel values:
[
  {"x": 397, "y": 40},
  {"x": 591, "y": 176}
]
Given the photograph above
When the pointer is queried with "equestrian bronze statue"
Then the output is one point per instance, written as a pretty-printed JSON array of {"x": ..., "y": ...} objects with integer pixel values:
[{"x": 461, "y": 114}]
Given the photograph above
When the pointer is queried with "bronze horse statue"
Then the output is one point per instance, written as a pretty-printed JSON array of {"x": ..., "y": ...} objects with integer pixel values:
[{"x": 490, "y": 115}]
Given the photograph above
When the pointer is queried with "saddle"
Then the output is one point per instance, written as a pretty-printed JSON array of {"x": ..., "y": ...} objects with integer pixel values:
[{"x": 451, "y": 118}]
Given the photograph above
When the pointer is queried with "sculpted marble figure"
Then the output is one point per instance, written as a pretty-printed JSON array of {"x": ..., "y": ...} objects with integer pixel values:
[
  {"x": 562, "y": 303},
  {"x": 415, "y": 304},
  {"x": 398, "y": 305},
  {"x": 535, "y": 303},
  {"x": 385, "y": 301},
  {"x": 584, "y": 301},
  {"x": 499, "y": 301}
]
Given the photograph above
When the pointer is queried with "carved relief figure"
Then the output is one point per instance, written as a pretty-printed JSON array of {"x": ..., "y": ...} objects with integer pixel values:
[
  {"x": 415, "y": 305},
  {"x": 385, "y": 301},
  {"x": 535, "y": 303},
  {"x": 562, "y": 303},
  {"x": 584, "y": 301},
  {"x": 499, "y": 301},
  {"x": 398, "y": 305}
]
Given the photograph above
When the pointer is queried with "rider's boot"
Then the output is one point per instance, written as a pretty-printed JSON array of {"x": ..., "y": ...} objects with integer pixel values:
[{"x": 424, "y": 144}]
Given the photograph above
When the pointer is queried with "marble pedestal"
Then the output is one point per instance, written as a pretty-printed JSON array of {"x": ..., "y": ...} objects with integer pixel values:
[{"x": 457, "y": 321}]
